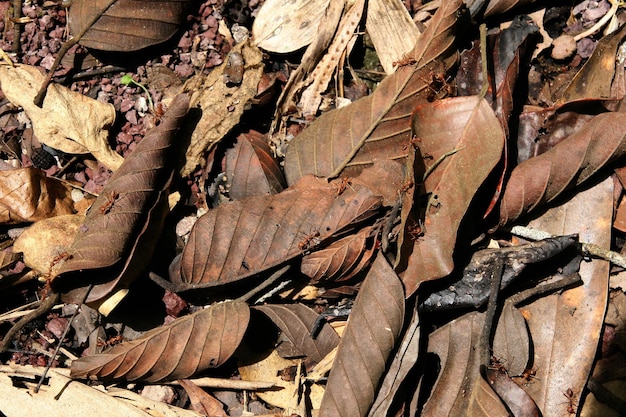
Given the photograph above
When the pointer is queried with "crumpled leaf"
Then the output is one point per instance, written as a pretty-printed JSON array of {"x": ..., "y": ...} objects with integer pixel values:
[
  {"x": 284, "y": 26},
  {"x": 45, "y": 243},
  {"x": 243, "y": 238},
  {"x": 251, "y": 169},
  {"x": 122, "y": 227},
  {"x": 373, "y": 328},
  {"x": 27, "y": 195},
  {"x": 201, "y": 401},
  {"x": 68, "y": 121},
  {"x": 187, "y": 346},
  {"x": 221, "y": 104},
  {"x": 295, "y": 322},
  {"x": 468, "y": 126},
  {"x": 376, "y": 126},
  {"x": 542, "y": 179},
  {"x": 342, "y": 259},
  {"x": 125, "y": 25}
]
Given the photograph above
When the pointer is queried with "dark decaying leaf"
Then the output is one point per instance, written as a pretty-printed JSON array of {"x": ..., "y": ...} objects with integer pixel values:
[
  {"x": 342, "y": 259},
  {"x": 511, "y": 341},
  {"x": 516, "y": 399},
  {"x": 373, "y": 328},
  {"x": 472, "y": 290},
  {"x": 116, "y": 241},
  {"x": 376, "y": 126},
  {"x": 251, "y": 169},
  {"x": 295, "y": 322},
  {"x": 243, "y": 238},
  {"x": 469, "y": 127},
  {"x": 27, "y": 195},
  {"x": 187, "y": 346},
  {"x": 125, "y": 25},
  {"x": 543, "y": 178}
]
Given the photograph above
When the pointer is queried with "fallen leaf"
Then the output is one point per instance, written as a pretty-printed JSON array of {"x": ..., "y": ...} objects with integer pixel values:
[
  {"x": 468, "y": 126},
  {"x": 68, "y": 121},
  {"x": 201, "y": 401},
  {"x": 243, "y": 238},
  {"x": 221, "y": 104},
  {"x": 125, "y": 25},
  {"x": 251, "y": 169},
  {"x": 373, "y": 329},
  {"x": 344, "y": 141},
  {"x": 120, "y": 232},
  {"x": 45, "y": 243},
  {"x": 187, "y": 346},
  {"x": 27, "y": 195},
  {"x": 516, "y": 399}
]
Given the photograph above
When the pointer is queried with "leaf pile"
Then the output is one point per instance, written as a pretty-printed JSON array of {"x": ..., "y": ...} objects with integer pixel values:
[{"x": 388, "y": 210}]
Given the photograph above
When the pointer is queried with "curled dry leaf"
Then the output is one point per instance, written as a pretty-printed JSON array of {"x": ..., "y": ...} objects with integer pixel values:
[
  {"x": 27, "y": 195},
  {"x": 243, "y": 238},
  {"x": 374, "y": 326},
  {"x": 251, "y": 169},
  {"x": 342, "y": 259},
  {"x": 122, "y": 227},
  {"x": 344, "y": 141},
  {"x": 125, "y": 25},
  {"x": 541, "y": 179},
  {"x": 468, "y": 126},
  {"x": 295, "y": 322},
  {"x": 221, "y": 104},
  {"x": 68, "y": 121},
  {"x": 187, "y": 346},
  {"x": 201, "y": 401}
]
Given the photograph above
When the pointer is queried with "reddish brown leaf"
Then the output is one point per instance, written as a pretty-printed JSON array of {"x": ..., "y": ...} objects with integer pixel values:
[
  {"x": 468, "y": 126},
  {"x": 27, "y": 195},
  {"x": 117, "y": 239},
  {"x": 541, "y": 179},
  {"x": 125, "y": 25},
  {"x": 187, "y": 346},
  {"x": 295, "y": 322},
  {"x": 497, "y": 7},
  {"x": 516, "y": 399},
  {"x": 243, "y": 238},
  {"x": 201, "y": 401},
  {"x": 372, "y": 331},
  {"x": 250, "y": 168},
  {"x": 342, "y": 259},
  {"x": 376, "y": 126}
]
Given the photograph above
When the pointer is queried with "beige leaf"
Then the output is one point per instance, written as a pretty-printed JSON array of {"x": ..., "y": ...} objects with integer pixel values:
[
  {"x": 68, "y": 121},
  {"x": 392, "y": 31},
  {"x": 45, "y": 243},
  {"x": 222, "y": 104},
  {"x": 286, "y": 25}
]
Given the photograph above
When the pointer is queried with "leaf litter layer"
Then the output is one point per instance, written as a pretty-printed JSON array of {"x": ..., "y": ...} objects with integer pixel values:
[{"x": 413, "y": 185}]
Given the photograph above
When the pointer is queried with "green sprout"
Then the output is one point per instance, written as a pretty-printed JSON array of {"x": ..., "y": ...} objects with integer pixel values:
[{"x": 127, "y": 80}]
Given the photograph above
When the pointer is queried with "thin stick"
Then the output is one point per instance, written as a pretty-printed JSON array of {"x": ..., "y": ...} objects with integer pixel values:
[
  {"x": 271, "y": 280},
  {"x": 485, "y": 337},
  {"x": 483, "y": 61},
  {"x": 67, "y": 329},
  {"x": 17, "y": 28}
]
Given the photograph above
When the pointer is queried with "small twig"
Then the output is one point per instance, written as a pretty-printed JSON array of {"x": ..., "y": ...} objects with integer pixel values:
[
  {"x": 67, "y": 329},
  {"x": 17, "y": 27},
  {"x": 542, "y": 289},
  {"x": 268, "y": 282},
  {"x": 45, "y": 306},
  {"x": 492, "y": 305},
  {"x": 439, "y": 161},
  {"x": 600, "y": 23},
  {"x": 483, "y": 60}
]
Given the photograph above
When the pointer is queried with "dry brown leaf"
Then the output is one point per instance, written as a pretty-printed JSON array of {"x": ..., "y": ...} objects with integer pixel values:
[
  {"x": 344, "y": 141},
  {"x": 251, "y": 169},
  {"x": 565, "y": 328},
  {"x": 468, "y": 126},
  {"x": 484, "y": 402},
  {"x": 185, "y": 347},
  {"x": 374, "y": 326},
  {"x": 542, "y": 179},
  {"x": 68, "y": 121},
  {"x": 516, "y": 399},
  {"x": 121, "y": 230},
  {"x": 285, "y": 26},
  {"x": 45, "y": 243},
  {"x": 125, "y": 25},
  {"x": 221, "y": 104},
  {"x": 202, "y": 401},
  {"x": 27, "y": 195},
  {"x": 240, "y": 239}
]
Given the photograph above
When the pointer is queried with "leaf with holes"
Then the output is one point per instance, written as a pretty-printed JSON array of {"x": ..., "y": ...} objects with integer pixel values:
[{"x": 186, "y": 346}]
